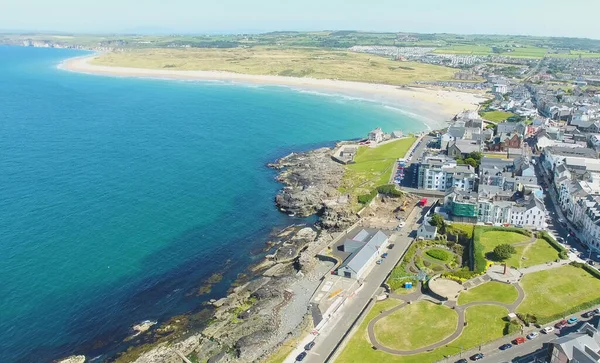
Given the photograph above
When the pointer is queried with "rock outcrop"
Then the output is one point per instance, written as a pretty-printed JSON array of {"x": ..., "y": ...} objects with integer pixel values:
[{"x": 310, "y": 178}]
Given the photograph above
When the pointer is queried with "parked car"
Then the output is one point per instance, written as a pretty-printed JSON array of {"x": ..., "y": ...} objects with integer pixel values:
[
  {"x": 561, "y": 324},
  {"x": 301, "y": 357},
  {"x": 560, "y": 239},
  {"x": 574, "y": 250},
  {"x": 379, "y": 262},
  {"x": 572, "y": 320},
  {"x": 309, "y": 345},
  {"x": 384, "y": 255},
  {"x": 390, "y": 246},
  {"x": 477, "y": 356},
  {"x": 519, "y": 340},
  {"x": 588, "y": 314},
  {"x": 462, "y": 360},
  {"x": 505, "y": 346},
  {"x": 533, "y": 335},
  {"x": 548, "y": 330}
]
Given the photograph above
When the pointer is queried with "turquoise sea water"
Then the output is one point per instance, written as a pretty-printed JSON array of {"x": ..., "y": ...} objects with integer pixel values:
[{"x": 119, "y": 196}]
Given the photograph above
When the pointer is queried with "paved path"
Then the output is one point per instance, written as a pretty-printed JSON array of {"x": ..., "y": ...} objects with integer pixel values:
[
  {"x": 544, "y": 266},
  {"x": 460, "y": 310}
]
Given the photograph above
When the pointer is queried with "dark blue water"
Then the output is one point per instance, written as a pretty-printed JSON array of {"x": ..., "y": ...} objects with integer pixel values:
[{"x": 118, "y": 196}]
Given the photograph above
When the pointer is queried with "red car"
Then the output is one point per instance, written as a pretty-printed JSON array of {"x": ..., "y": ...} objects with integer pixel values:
[
  {"x": 561, "y": 324},
  {"x": 519, "y": 340}
]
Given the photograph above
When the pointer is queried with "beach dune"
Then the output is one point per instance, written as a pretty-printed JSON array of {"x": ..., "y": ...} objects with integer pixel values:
[{"x": 431, "y": 105}]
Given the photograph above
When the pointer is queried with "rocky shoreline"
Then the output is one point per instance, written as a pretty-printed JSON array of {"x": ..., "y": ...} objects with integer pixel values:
[{"x": 261, "y": 314}]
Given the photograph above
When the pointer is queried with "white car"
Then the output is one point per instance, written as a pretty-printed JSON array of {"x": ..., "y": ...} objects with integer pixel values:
[
  {"x": 548, "y": 329},
  {"x": 533, "y": 335}
]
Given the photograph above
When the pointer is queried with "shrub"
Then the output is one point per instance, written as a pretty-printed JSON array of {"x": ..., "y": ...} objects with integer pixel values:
[
  {"x": 563, "y": 255},
  {"x": 512, "y": 327},
  {"x": 426, "y": 263},
  {"x": 528, "y": 319},
  {"x": 367, "y": 198},
  {"x": 389, "y": 189},
  {"x": 576, "y": 264},
  {"x": 439, "y": 254}
]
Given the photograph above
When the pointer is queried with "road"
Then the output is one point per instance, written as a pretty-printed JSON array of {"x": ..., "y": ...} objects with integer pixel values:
[
  {"x": 331, "y": 336},
  {"x": 410, "y": 172}
]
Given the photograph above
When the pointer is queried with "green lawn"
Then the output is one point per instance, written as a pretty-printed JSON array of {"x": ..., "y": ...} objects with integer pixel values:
[
  {"x": 495, "y": 156},
  {"x": 484, "y": 325},
  {"x": 538, "y": 253},
  {"x": 491, "y": 239},
  {"x": 373, "y": 166},
  {"x": 558, "y": 291},
  {"x": 429, "y": 323},
  {"x": 490, "y": 291},
  {"x": 496, "y": 116}
]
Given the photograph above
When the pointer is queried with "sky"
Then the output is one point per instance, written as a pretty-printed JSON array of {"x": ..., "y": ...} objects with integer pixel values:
[{"x": 572, "y": 18}]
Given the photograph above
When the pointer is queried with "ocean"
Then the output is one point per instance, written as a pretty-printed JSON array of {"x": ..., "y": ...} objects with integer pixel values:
[{"x": 120, "y": 196}]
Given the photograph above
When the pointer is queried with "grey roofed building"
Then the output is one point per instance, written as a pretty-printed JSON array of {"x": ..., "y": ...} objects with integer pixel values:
[
  {"x": 397, "y": 134},
  {"x": 463, "y": 147},
  {"x": 458, "y": 132},
  {"x": 582, "y": 346},
  {"x": 573, "y": 151},
  {"x": 490, "y": 163},
  {"x": 354, "y": 266},
  {"x": 506, "y": 127}
]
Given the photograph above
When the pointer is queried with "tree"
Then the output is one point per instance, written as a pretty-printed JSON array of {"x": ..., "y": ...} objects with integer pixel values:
[
  {"x": 504, "y": 251},
  {"x": 472, "y": 162},
  {"x": 475, "y": 155},
  {"x": 437, "y": 220}
]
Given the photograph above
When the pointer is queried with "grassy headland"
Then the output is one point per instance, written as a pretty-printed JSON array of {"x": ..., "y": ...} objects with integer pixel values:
[{"x": 293, "y": 62}]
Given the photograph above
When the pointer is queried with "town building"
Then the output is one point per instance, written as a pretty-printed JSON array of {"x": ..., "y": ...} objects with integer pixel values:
[
  {"x": 462, "y": 148},
  {"x": 582, "y": 346},
  {"x": 442, "y": 173},
  {"x": 427, "y": 231},
  {"x": 376, "y": 135},
  {"x": 364, "y": 249}
]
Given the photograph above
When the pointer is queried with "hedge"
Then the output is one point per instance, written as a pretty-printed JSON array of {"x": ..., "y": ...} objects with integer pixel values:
[
  {"x": 592, "y": 271},
  {"x": 389, "y": 189},
  {"x": 557, "y": 246},
  {"x": 575, "y": 309},
  {"x": 367, "y": 198}
]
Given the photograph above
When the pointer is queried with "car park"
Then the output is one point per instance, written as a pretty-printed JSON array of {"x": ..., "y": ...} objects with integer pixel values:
[
  {"x": 505, "y": 346},
  {"x": 477, "y": 356},
  {"x": 519, "y": 340},
  {"x": 548, "y": 330},
  {"x": 309, "y": 345},
  {"x": 533, "y": 335},
  {"x": 572, "y": 320},
  {"x": 301, "y": 357}
]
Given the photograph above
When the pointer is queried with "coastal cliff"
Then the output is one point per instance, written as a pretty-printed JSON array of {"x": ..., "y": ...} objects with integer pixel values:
[{"x": 261, "y": 314}]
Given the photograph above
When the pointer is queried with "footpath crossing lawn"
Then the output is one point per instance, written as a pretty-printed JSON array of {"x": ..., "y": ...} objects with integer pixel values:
[
  {"x": 416, "y": 325},
  {"x": 491, "y": 239},
  {"x": 373, "y": 166},
  {"x": 538, "y": 253},
  {"x": 484, "y": 324},
  {"x": 557, "y": 291},
  {"x": 490, "y": 291}
]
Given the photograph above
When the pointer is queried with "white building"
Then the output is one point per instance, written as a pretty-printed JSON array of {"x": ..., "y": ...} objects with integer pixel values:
[
  {"x": 442, "y": 173},
  {"x": 427, "y": 231},
  {"x": 376, "y": 135},
  {"x": 531, "y": 214}
]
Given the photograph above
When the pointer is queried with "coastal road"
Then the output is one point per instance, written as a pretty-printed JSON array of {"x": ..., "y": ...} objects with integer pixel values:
[{"x": 331, "y": 336}]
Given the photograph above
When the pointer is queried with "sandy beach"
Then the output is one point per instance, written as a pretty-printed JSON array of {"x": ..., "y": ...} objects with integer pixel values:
[{"x": 433, "y": 106}]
